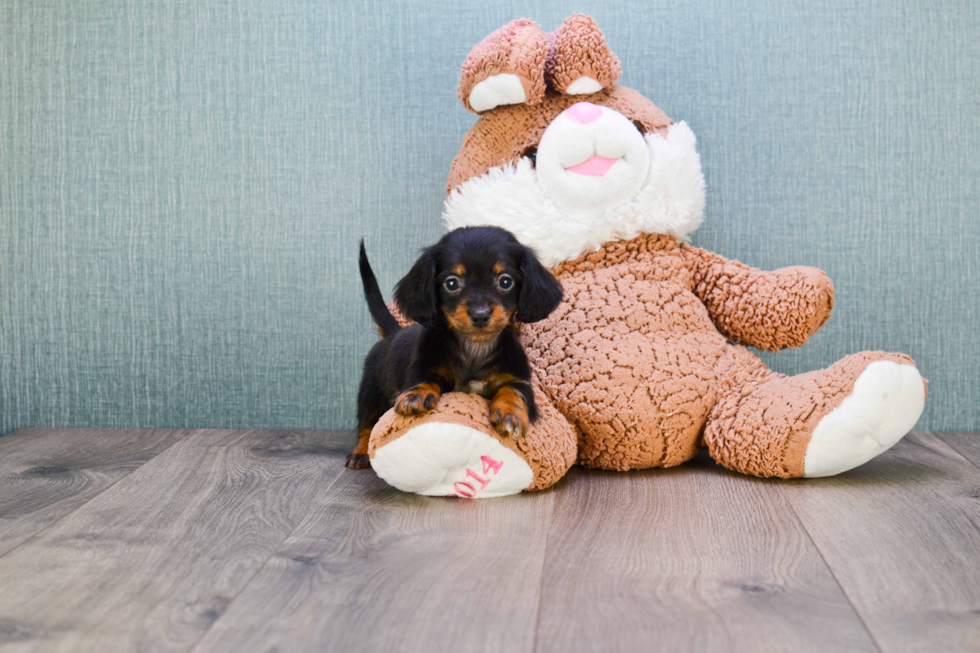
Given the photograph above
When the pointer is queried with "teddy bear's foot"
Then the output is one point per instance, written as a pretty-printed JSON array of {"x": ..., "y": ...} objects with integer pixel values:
[
  {"x": 886, "y": 402},
  {"x": 816, "y": 424},
  {"x": 454, "y": 451},
  {"x": 446, "y": 459}
]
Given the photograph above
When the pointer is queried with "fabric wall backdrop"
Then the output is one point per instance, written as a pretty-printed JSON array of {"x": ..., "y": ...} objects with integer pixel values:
[{"x": 183, "y": 185}]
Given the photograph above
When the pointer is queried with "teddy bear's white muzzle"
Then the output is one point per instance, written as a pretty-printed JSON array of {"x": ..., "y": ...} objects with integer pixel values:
[{"x": 591, "y": 159}]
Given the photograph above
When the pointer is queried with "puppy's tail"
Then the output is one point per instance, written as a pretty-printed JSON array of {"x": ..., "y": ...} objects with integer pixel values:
[{"x": 376, "y": 303}]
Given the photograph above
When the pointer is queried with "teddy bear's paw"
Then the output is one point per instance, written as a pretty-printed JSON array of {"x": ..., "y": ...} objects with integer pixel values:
[
  {"x": 446, "y": 459},
  {"x": 886, "y": 402}
]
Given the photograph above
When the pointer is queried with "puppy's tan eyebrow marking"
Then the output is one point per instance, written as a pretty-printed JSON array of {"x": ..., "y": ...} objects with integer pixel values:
[
  {"x": 498, "y": 267},
  {"x": 459, "y": 269}
]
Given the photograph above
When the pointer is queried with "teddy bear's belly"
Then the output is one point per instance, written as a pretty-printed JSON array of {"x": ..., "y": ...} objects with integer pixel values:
[{"x": 631, "y": 363}]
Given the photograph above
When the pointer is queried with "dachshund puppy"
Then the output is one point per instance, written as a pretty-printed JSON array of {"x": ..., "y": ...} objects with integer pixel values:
[{"x": 464, "y": 294}]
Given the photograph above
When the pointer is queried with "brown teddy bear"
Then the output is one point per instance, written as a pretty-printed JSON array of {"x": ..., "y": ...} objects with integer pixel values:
[{"x": 639, "y": 366}]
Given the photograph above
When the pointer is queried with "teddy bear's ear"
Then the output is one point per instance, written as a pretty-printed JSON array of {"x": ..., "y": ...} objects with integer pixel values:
[
  {"x": 580, "y": 62},
  {"x": 507, "y": 67}
]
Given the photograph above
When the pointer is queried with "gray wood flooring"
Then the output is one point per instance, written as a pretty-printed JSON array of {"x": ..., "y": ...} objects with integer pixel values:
[{"x": 204, "y": 540}]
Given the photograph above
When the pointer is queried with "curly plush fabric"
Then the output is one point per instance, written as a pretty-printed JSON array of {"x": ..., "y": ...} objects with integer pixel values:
[
  {"x": 790, "y": 304},
  {"x": 628, "y": 355},
  {"x": 579, "y": 49},
  {"x": 519, "y": 48}
]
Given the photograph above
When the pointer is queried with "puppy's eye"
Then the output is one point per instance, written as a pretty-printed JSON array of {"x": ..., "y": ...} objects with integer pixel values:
[
  {"x": 452, "y": 284},
  {"x": 505, "y": 282}
]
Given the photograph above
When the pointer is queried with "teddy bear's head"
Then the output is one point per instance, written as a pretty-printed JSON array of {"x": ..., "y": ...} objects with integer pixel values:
[{"x": 562, "y": 156}]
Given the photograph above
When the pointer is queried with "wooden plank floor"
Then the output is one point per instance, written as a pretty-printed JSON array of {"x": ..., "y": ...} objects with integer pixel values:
[{"x": 166, "y": 540}]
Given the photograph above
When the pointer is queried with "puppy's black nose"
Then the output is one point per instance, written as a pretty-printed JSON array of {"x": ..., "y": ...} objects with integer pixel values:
[{"x": 480, "y": 317}]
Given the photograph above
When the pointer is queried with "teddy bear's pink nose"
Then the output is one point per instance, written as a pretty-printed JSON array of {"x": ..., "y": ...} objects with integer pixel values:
[{"x": 584, "y": 112}]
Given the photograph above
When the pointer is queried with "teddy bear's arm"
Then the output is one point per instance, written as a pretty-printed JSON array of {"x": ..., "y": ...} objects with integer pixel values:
[{"x": 768, "y": 310}]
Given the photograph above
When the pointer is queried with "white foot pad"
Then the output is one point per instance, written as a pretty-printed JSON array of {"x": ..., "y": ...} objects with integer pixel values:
[
  {"x": 440, "y": 459},
  {"x": 886, "y": 403},
  {"x": 496, "y": 91},
  {"x": 583, "y": 85}
]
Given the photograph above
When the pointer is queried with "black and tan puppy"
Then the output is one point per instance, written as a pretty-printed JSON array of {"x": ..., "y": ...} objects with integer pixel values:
[{"x": 464, "y": 294}]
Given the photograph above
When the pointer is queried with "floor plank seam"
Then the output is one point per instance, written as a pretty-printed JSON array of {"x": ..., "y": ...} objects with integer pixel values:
[
  {"x": 38, "y": 533},
  {"x": 313, "y": 504},
  {"x": 833, "y": 574},
  {"x": 964, "y": 455},
  {"x": 544, "y": 564},
  {"x": 952, "y": 446}
]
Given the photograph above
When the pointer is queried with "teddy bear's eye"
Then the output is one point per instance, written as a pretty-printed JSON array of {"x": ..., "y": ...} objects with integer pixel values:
[
  {"x": 531, "y": 153},
  {"x": 639, "y": 127}
]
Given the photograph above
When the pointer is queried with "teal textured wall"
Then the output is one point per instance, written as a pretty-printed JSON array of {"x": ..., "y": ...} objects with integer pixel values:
[{"x": 183, "y": 184}]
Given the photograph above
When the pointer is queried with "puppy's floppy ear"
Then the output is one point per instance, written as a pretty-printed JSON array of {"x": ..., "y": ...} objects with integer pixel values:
[
  {"x": 540, "y": 291},
  {"x": 415, "y": 294}
]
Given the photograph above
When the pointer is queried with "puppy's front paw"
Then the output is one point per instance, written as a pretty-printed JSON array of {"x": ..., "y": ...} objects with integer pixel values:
[
  {"x": 508, "y": 414},
  {"x": 358, "y": 461},
  {"x": 511, "y": 424},
  {"x": 420, "y": 399},
  {"x": 358, "y": 458}
]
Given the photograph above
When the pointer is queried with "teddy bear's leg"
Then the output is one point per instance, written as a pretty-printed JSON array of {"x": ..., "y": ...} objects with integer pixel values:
[
  {"x": 816, "y": 424},
  {"x": 453, "y": 450}
]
